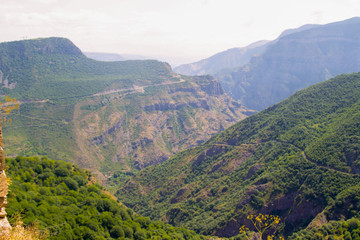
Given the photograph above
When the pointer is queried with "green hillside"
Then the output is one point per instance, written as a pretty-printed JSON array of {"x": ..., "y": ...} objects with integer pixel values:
[
  {"x": 54, "y": 68},
  {"x": 298, "y": 159},
  {"x": 106, "y": 115},
  {"x": 349, "y": 229},
  {"x": 63, "y": 200}
]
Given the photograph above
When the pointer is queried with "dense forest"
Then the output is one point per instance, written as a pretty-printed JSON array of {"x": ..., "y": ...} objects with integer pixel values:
[{"x": 65, "y": 200}]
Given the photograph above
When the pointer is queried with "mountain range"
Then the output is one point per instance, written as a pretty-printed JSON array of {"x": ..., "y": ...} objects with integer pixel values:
[
  {"x": 178, "y": 148},
  {"x": 297, "y": 59},
  {"x": 232, "y": 58}
]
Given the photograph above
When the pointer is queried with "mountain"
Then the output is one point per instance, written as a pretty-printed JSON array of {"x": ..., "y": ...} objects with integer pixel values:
[
  {"x": 66, "y": 201},
  {"x": 298, "y": 159},
  {"x": 230, "y": 58},
  {"x": 296, "y": 30},
  {"x": 234, "y": 57},
  {"x": 106, "y": 116},
  {"x": 295, "y": 61}
]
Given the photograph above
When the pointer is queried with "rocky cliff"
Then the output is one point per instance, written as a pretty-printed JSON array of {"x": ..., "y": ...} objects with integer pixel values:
[
  {"x": 106, "y": 116},
  {"x": 147, "y": 127}
]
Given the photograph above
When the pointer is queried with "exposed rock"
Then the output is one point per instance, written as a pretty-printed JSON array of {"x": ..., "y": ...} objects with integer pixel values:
[
  {"x": 6, "y": 83},
  {"x": 214, "y": 150},
  {"x": 318, "y": 221},
  {"x": 191, "y": 90},
  {"x": 5, "y": 226},
  {"x": 213, "y": 89},
  {"x": 253, "y": 170},
  {"x": 176, "y": 106},
  {"x": 100, "y": 139}
]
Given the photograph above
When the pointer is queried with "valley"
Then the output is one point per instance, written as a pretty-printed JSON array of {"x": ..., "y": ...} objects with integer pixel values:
[{"x": 131, "y": 149}]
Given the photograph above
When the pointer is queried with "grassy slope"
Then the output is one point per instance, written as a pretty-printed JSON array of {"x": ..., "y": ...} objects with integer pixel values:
[
  {"x": 290, "y": 160},
  {"x": 54, "y": 68}
]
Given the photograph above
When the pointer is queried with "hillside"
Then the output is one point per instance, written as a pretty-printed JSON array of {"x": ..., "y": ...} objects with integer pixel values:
[
  {"x": 106, "y": 115},
  {"x": 298, "y": 159},
  {"x": 64, "y": 200},
  {"x": 295, "y": 61}
]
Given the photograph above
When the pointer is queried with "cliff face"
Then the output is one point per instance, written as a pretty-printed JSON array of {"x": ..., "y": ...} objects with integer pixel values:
[
  {"x": 4, "y": 223},
  {"x": 146, "y": 127},
  {"x": 106, "y": 116}
]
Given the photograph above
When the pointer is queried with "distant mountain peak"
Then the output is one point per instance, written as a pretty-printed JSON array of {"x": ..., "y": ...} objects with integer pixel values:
[
  {"x": 299, "y": 29},
  {"x": 52, "y": 45},
  {"x": 298, "y": 58}
]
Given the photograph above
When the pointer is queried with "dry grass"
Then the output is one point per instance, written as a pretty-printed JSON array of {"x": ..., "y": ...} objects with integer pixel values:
[{"x": 19, "y": 232}]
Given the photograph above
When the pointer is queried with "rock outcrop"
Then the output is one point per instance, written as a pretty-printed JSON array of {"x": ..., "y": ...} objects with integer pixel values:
[{"x": 4, "y": 223}]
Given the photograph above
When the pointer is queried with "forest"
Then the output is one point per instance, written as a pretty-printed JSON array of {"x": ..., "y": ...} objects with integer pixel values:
[{"x": 68, "y": 203}]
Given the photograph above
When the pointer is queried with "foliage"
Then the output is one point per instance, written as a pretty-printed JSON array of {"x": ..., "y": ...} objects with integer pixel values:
[
  {"x": 261, "y": 223},
  {"x": 7, "y": 107},
  {"x": 291, "y": 160},
  {"x": 58, "y": 197},
  {"x": 349, "y": 229}
]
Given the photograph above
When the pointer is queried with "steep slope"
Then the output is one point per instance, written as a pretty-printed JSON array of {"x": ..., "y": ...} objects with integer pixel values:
[
  {"x": 106, "y": 115},
  {"x": 342, "y": 229},
  {"x": 289, "y": 160},
  {"x": 146, "y": 125},
  {"x": 296, "y": 61},
  {"x": 228, "y": 59},
  {"x": 64, "y": 200}
]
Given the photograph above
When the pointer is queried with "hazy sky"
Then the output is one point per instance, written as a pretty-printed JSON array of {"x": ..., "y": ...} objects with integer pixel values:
[{"x": 186, "y": 30}]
